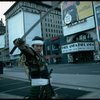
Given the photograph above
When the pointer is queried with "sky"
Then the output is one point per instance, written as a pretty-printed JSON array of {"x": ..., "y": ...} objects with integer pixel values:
[{"x": 4, "y": 6}]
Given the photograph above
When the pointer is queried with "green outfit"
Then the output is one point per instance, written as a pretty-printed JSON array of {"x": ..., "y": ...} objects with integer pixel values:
[{"x": 37, "y": 69}]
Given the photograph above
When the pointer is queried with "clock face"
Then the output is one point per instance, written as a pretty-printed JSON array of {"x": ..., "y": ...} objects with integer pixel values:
[{"x": 68, "y": 18}]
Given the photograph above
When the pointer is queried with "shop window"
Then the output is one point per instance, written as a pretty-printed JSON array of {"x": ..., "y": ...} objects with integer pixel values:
[{"x": 55, "y": 46}]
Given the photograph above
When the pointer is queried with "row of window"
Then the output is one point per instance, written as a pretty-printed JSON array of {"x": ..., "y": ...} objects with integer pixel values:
[
  {"x": 51, "y": 35},
  {"x": 53, "y": 25},
  {"x": 53, "y": 21},
  {"x": 54, "y": 16},
  {"x": 53, "y": 31}
]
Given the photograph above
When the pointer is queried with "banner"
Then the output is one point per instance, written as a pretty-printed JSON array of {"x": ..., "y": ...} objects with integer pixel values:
[{"x": 73, "y": 11}]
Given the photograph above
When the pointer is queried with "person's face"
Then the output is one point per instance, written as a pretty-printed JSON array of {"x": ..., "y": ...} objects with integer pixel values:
[{"x": 38, "y": 48}]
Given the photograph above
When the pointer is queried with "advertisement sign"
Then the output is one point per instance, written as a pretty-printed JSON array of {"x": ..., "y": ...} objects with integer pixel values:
[
  {"x": 19, "y": 24},
  {"x": 76, "y": 47},
  {"x": 75, "y": 11},
  {"x": 96, "y": 2},
  {"x": 97, "y": 17},
  {"x": 84, "y": 9},
  {"x": 69, "y": 9},
  {"x": 84, "y": 25},
  {"x": 15, "y": 30}
]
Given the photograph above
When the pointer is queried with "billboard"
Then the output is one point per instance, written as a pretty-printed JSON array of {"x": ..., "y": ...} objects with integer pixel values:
[
  {"x": 78, "y": 46},
  {"x": 97, "y": 17},
  {"x": 77, "y": 16},
  {"x": 15, "y": 30},
  {"x": 29, "y": 20},
  {"x": 73, "y": 11},
  {"x": 21, "y": 23},
  {"x": 83, "y": 26}
]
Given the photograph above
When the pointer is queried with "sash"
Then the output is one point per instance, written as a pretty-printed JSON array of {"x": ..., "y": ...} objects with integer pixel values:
[{"x": 39, "y": 81}]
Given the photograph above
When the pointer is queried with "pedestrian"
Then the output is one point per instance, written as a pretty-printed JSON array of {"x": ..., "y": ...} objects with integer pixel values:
[
  {"x": 1, "y": 67},
  {"x": 36, "y": 64}
]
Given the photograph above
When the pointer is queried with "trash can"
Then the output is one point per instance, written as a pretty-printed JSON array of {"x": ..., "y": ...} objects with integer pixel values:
[{"x": 1, "y": 67}]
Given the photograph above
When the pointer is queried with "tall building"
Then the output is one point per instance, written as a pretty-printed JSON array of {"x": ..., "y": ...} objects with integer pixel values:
[
  {"x": 2, "y": 41},
  {"x": 23, "y": 14},
  {"x": 2, "y": 27}
]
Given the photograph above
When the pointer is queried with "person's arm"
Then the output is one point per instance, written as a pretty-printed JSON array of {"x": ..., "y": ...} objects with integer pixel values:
[
  {"x": 19, "y": 43},
  {"x": 22, "y": 46}
]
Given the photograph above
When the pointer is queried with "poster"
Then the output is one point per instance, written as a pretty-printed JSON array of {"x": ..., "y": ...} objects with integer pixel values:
[{"x": 73, "y": 11}]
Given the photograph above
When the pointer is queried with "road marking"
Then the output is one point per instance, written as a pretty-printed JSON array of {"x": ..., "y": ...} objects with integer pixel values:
[
  {"x": 15, "y": 89},
  {"x": 57, "y": 88}
]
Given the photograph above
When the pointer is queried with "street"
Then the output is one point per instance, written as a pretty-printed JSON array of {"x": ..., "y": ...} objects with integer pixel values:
[
  {"x": 69, "y": 81},
  {"x": 85, "y": 68},
  {"x": 22, "y": 89}
]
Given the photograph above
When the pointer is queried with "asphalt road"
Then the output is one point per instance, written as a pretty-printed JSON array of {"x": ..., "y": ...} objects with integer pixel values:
[
  {"x": 22, "y": 88},
  {"x": 87, "y": 69}
]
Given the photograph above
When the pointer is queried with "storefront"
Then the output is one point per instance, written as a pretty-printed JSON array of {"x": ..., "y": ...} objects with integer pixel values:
[
  {"x": 52, "y": 50},
  {"x": 79, "y": 52}
]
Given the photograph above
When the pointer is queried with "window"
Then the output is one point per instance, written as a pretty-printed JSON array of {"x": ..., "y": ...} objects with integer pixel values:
[
  {"x": 45, "y": 24},
  {"x": 56, "y": 26},
  {"x": 46, "y": 29},
  {"x": 54, "y": 30},
  {"x": 46, "y": 35},
  {"x": 55, "y": 46}
]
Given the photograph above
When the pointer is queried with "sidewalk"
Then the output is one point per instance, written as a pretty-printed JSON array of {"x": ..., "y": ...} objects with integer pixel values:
[{"x": 74, "y": 81}]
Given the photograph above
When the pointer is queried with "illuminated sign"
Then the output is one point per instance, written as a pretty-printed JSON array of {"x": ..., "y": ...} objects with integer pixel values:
[
  {"x": 97, "y": 17},
  {"x": 79, "y": 46}
]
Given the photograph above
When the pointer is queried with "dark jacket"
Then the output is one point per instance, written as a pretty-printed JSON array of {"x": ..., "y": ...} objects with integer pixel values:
[{"x": 36, "y": 64}]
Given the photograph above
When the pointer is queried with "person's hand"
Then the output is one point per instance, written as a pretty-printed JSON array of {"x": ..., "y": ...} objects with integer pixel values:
[{"x": 18, "y": 42}]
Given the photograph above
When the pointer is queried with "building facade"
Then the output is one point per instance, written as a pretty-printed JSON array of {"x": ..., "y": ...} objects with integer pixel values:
[
  {"x": 53, "y": 50},
  {"x": 2, "y": 42},
  {"x": 81, "y": 28},
  {"x": 23, "y": 14}
]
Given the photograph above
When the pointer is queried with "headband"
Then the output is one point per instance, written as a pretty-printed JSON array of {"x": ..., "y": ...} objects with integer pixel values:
[{"x": 37, "y": 42}]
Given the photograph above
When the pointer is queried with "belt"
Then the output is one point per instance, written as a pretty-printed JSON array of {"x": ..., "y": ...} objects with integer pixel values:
[{"x": 39, "y": 81}]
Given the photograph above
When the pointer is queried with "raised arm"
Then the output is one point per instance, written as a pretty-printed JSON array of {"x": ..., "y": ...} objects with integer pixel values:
[
  {"x": 22, "y": 46},
  {"x": 20, "y": 43}
]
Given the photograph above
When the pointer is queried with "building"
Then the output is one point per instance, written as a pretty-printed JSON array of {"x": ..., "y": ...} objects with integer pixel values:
[
  {"x": 2, "y": 27},
  {"x": 2, "y": 41},
  {"x": 23, "y": 14},
  {"x": 53, "y": 50},
  {"x": 81, "y": 27}
]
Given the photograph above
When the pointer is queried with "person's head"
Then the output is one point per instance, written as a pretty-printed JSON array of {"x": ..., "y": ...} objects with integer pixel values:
[{"x": 37, "y": 44}]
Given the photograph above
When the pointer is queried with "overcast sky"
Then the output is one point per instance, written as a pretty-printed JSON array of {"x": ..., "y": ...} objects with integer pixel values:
[{"x": 4, "y": 6}]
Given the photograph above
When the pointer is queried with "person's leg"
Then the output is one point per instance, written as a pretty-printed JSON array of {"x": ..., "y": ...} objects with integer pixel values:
[
  {"x": 49, "y": 91},
  {"x": 34, "y": 92}
]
